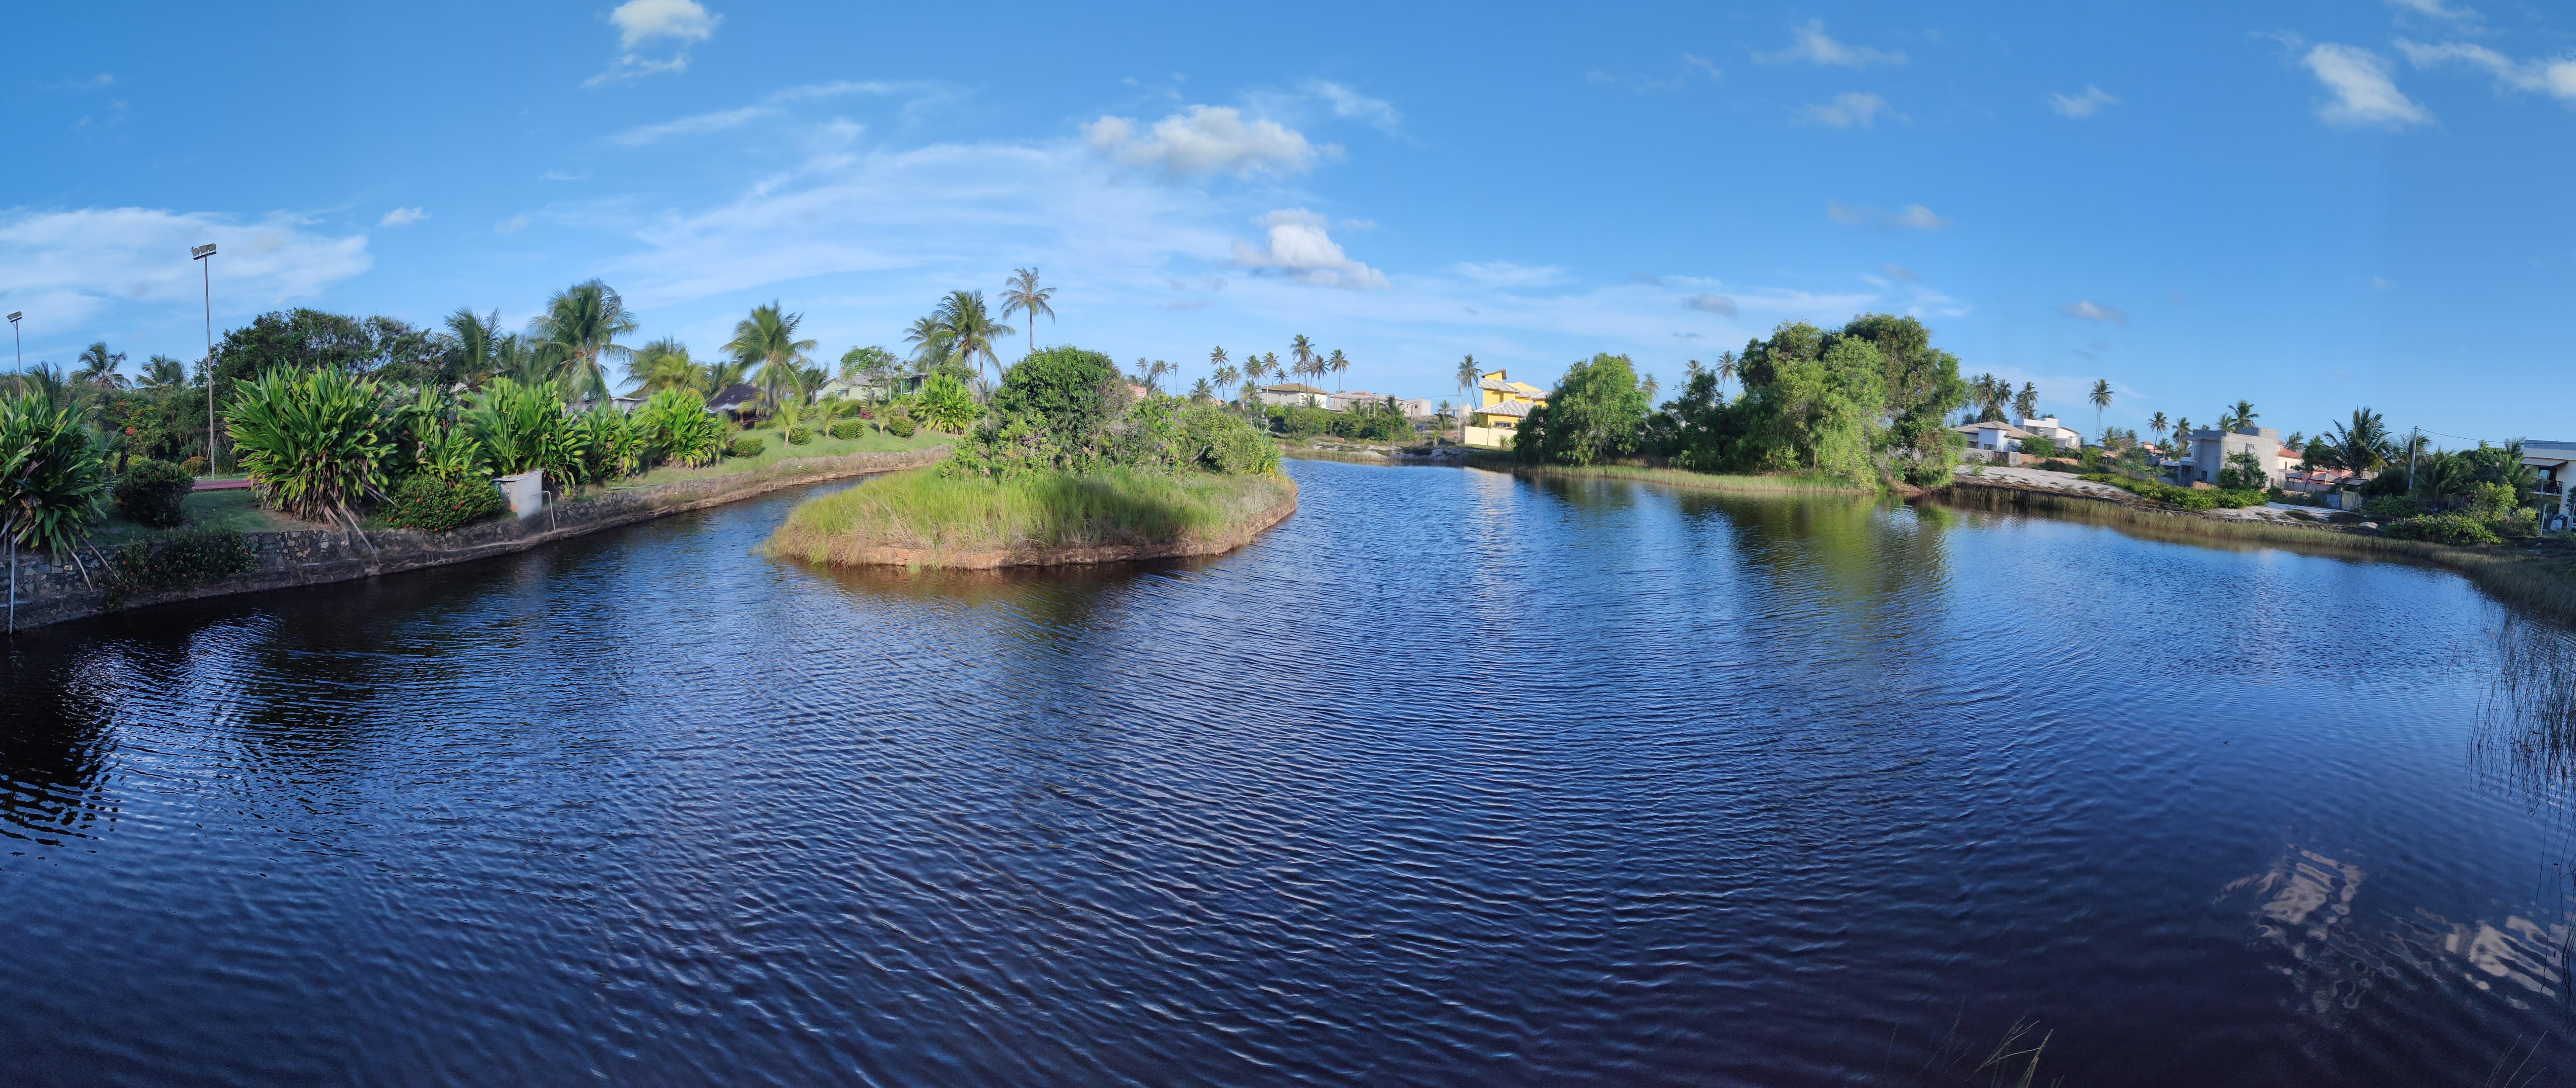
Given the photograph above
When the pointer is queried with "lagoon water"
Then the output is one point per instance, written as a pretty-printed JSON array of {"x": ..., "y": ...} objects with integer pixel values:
[{"x": 1452, "y": 778}]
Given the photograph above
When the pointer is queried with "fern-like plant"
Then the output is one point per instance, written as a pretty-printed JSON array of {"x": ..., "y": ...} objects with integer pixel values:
[
  {"x": 53, "y": 481},
  {"x": 314, "y": 442}
]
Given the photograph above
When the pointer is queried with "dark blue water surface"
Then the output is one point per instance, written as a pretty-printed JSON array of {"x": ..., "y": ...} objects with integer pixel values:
[{"x": 1452, "y": 778}]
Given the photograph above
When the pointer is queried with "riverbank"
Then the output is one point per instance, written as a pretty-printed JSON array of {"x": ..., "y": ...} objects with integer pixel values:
[
  {"x": 1501, "y": 461},
  {"x": 2538, "y": 577},
  {"x": 52, "y": 589},
  {"x": 930, "y": 519}
]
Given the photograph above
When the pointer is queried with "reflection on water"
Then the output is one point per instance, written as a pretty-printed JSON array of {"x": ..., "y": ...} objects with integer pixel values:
[{"x": 1454, "y": 777}]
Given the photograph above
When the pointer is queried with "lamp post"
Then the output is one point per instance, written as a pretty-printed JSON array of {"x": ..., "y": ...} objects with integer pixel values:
[
  {"x": 14, "y": 315},
  {"x": 200, "y": 254}
]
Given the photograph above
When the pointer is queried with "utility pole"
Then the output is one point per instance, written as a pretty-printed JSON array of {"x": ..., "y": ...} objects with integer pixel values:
[
  {"x": 200, "y": 255},
  {"x": 2414, "y": 441}
]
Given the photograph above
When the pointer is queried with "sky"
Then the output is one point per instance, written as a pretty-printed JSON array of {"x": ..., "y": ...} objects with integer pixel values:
[{"x": 2312, "y": 206}]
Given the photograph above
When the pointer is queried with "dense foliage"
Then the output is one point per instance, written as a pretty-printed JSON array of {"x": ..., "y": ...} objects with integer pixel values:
[
  {"x": 1069, "y": 410},
  {"x": 315, "y": 443},
  {"x": 2187, "y": 498},
  {"x": 437, "y": 505},
  {"x": 746, "y": 446},
  {"x": 172, "y": 560},
  {"x": 2461, "y": 529},
  {"x": 676, "y": 427},
  {"x": 945, "y": 404},
  {"x": 1866, "y": 401},
  {"x": 153, "y": 493},
  {"x": 53, "y": 480}
]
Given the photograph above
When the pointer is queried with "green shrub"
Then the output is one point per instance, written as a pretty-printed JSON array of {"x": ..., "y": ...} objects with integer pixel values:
[
  {"x": 799, "y": 436},
  {"x": 53, "y": 484},
  {"x": 315, "y": 441},
  {"x": 1219, "y": 440},
  {"x": 2460, "y": 529},
  {"x": 849, "y": 428},
  {"x": 437, "y": 505},
  {"x": 747, "y": 446},
  {"x": 195, "y": 465},
  {"x": 172, "y": 560},
  {"x": 2391, "y": 508},
  {"x": 900, "y": 426},
  {"x": 946, "y": 405},
  {"x": 677, "y": 427},
  {"x": 611, "y": 445},
  {"x": 2038, "y": 448},
  {"x": 2188, "y": 498},
  {"x": 524, "y": 427},
  {"x": 154, "y": 493}
]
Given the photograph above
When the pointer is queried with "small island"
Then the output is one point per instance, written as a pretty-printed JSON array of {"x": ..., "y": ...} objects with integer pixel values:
[{"x": 1069, "y": 465}]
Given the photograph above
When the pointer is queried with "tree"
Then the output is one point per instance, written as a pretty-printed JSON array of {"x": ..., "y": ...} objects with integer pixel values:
[
  {"x": 1303, "y": 351},
  {"x": 2159, "y": 425},
  {"x": 2245, "y": 415},
  {"x": 315, "y": 442},
  {"x": 1594, "y": 415},
  {"x": 1203, "y": 391},
  {"x": 470, "y": 349},
  {"x": 2243, "y": 471},
  {"x": 53, "y": 483},
  {"x": 578, "y": 332},
  {"x": 2026, "y": 402},
  {"x": 870, "y": 364},
  {"x": 968, "y": 332},
  {"x": 1469, "y": 377},
  {"x": 664, "y": 364},
  {"x": 2442, "y": 477},
  {"x": 164, "y": 372},
  {"x": 929, "y": 340},
  {"x": 1338, "y": 365},
  {"x": 2101, "y": 398},
  {"x": 1921, "y": 386},
  {"x": 1150, "y": 375},
  {"x": 1023, "y": 295},
  {"x": 1726, "y": 369},
  {"x": 2361, "y": 443},
  {"x": 98, "y": 366},
  {"x": 767, "y": 339}
]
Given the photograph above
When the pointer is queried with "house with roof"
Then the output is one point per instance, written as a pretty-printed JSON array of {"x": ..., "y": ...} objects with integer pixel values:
[
  {"x": 735, "y": 400},
  {"x": 2556, "y": 462},
  {"x": 1992, "y": 440},
  {"x": 2067, "y": 438},
  {"x": 1343, "y": 402},
  {"x": 1292, "y": 395},
  {"x": 2210, "y": 450},
  {"x": 1502, "y": 405}
]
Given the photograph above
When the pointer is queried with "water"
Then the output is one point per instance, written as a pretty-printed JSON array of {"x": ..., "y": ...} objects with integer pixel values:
[{"x": 1452, "y": 778}]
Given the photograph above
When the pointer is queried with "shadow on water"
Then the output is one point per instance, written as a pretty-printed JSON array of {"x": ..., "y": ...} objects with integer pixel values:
[{"x": 1062, "y": 599}]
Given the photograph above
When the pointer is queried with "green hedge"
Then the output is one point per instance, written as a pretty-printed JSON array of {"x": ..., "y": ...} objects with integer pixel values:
[
  {"x": 194, "y": 466},
  {"x": 2188, "y": 498},
  {"x": 172, "y": 560},
  {"x": 154, "y": 493},
  {"x": 2443, "y": 529},
  {"x": 436, "y": 505},
  {"x": 800, "y": 436},
  {"x": 849, "y": 428},
  {"x": 900, "y": 426},
  {"x": 747, "y": 446}
]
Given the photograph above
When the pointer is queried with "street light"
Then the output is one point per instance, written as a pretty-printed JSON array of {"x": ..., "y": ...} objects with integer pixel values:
[
  {"x": 200, "y": 253},
  {"x": 14, "y": 315}
]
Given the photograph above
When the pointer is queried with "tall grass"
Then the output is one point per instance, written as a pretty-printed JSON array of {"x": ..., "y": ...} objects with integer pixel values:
[
  {"x": 1677, "y": 477},
  {"x": 943, "y": 515}
]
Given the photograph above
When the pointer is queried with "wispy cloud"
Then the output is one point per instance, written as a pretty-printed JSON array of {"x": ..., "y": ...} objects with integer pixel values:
[
  {"x": 2435, "y": 9},
  {"x": 1810, "y": 45},
  {"x": 1850, "y": 109},
  {"x": 1900, "y": 272},
  {"x": 1711, "y": 304},
  {"x": 1508, "y": 274},
  {"x": 1299, "y": 247},
  {"x": 1347, "y": 103},
  {"x": 2082, "y": 105},
  {"x": 1204, "y": 140},
  {"x": 1909, "y": 217},
  {"x": 678, "y": 24},
  {"x": 512, "y": 225},
  {"x": 2089, "y": 310},
  {"x": 2555, "y": 78},
  {"x": 698, "y": 125},
  {"x": 70, "y": 265},
  {"x": 2364, "y": 94},
  {"x": 401, "y": 217}
]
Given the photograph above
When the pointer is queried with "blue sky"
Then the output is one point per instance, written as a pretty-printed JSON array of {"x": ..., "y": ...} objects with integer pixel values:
[{"x": 2311, "y": 206}]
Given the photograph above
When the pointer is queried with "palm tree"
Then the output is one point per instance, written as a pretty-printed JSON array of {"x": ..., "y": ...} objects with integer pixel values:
[
  {"x": 1303, "y": 351},
  {"x": 2101, "y": 398},
  {"x": 1202, "y": 392},
  {"x": 968, "y": 331},
  {"x": 1150, "y": 375},
  {"x": 1726, "y": 368},
  {"x": 2361, "y": 444},
  {"x": 1469, "y": 376},
  {"x": 164, "y": 372},
  {"x": 2026, "y": 402},
  {"x": 2442, "y": 477},
  {"x": 2160, "y": 425},
  {"x": 1024, "y": 295},
  {"x": 472, "y": 346},
  {"x": 1226, "y": 375},
  {"x": 98, "y": 366},
  {"x": 1338, "y": 365},
  {"x": 768, "y": 339},
  {"x": 663, "y": 364},
  {"x": 1651, "y": 387},
  {"x": 929, "y": 342},
  {"x": 579, "y": 328},
  {"x": 1217, "y": 365}
]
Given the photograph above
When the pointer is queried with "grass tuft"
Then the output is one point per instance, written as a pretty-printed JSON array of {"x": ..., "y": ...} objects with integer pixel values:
[{"x": 953, "y": 516}]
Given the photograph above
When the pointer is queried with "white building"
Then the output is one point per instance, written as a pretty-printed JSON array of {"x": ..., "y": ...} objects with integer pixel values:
[
  {"x": 2210, "y": 450},
  {"x": 1293, "y": 395},
  {"x": 2047, "y": 427},
  {"x": 1992, "y": 435}
]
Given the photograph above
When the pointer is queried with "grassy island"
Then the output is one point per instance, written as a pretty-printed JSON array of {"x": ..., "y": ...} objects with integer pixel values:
[{"x": 1065, "y": 467}]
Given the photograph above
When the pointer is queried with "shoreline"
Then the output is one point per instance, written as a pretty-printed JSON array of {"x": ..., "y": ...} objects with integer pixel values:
[
  {"x": 793, "y": 542},
  {"x": 51, "y": 589},
  {"x": 1501, "y": 461}
]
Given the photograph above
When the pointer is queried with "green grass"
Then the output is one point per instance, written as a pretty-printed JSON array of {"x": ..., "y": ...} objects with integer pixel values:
[
  {"x": 775, "y": 449},
  {"x": 1678, "y": 477},
  {"x": 933, "y": 511},
  {"x": 237, "y": 510}
]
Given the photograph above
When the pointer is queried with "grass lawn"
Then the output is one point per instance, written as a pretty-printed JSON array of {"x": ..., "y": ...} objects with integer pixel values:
[
  {"x": 774, "y": 448},
  {"x": 930, "y": 510},
  {"x": 237, "y": 510}
]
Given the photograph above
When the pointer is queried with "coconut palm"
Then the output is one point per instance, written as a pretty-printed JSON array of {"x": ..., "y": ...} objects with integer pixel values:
[
  {"x": 578, "y": 333},
  {"x": 1226, "y": 375},
  {"x": 1023, "y": 295},
  {"x": 1727, "y": 368},
  {"x": 98, "y": 366},
  {"x": 1202, "y": 392},
  {"x": 1150, "y": 375},
  {"x": 1338, "y": 365},
  {"x": 2160, "y": 425},
  {"x": 2443, "y": 476},
  {"x": 664, "y": 364},
  {"x": 1302, "y": 351},
  {"x": 1650, "y": 387},
  {"x": 164, "y": 372},
  {"x": 1217, "y": 365},
  {"x": 2101, "y": 398},
  {"x": 471, "y": 346},
  {"x": 767, "y": 339},
  {"x": 1469, "y": 376},
  {"x": 2244, "y": 415},
  {"x": 2362, "y": 443},
  {"x": 969, "y": 330},
  {"x": 2026, "y": 402}
]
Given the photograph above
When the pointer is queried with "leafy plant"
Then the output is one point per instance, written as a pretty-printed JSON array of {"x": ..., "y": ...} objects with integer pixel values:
[
  {"x": 746, "y": 446},
  {"x": 172, "y": 560},
  {"x": 945, "y": 404},
  {"x": 2242, "y": 472},
  {"x": 676, "y": 426},
  {"x": 314, "y": 442},
  {"x": 2391, "y": 508},
  {"x": 849, "y": 428},
  {"x": 438, "y": 504},
  {"x": 53, "y": 481},
  {"x": 195, "y": 465},
  {"x": 524, "y": 427},
  {"x": 900, "y": 426},
  {"x": 2459, "y": 529},
  {"x": 611, "y": 445},
  {"x": 448, "y": 453},
  {"x": 154, "y": 493}
]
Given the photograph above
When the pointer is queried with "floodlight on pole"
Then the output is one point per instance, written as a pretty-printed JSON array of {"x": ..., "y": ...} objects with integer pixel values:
[
  {"x": 14, "y": 315},
  {"x": 200, "y": 253}
]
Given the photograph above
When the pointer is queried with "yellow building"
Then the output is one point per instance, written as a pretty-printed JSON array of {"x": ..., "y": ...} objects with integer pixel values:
[{"x": 1501, "y": 405}]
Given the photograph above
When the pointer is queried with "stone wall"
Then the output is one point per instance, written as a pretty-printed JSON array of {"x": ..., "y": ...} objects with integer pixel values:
[{"x": 51, "y": 589}]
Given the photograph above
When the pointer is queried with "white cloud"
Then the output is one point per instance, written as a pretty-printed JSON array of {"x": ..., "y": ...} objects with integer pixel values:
[
  {"x": 1204, "y": 140},
  {"x": 2434, "y": 8},
  {"x": 640, "y": 21},
  {"x": 2555, "y": 78},
  {"x": 2089, "y": 310},
  {"x": 402, "y": 217},
  {"x": 1351, "y": 104},
  {"x": 2082, "y": 105},
  {"x": 1909, "y": 217},
  {"x": 1916, "y": 217},
  {"x": 1846, "y": 214},
  {"x": 1299, "y": 247},
  {"x": 1708, "y": 303},
  {"x": 690, "y": 126},
  {"x": 1508, "y": 274},
  {"x": 2364, "y": 95},
  {"x": 1848, "y": 109},
  {"x": 512, "y": 225},
  {"x": 69, "y": 265},
  {"x": 558, "y": 175},
  {"x": 1813, "y": 47}
]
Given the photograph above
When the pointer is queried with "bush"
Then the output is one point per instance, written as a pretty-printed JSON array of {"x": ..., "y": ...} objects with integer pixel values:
[
  {"x": 154, "y": 493},
  {"x": 53, "y": 484},
  {"x": 524, "y": 427},
  {"x": 2038, "y": 448},
  {"x": 2187, "y": 498},
  {"x": 899, "y": 426},
  {"x": 2391, "y": 508},
  {"x": 1218, "y": 440},
  {"x": 849, "y": 428},
  {"x": 676, "y": 426},
  {"x": 195, "y": 465},
  {"x": 173, "y": 560},
  {"x": 799, "y": 436},
  {"x": 435, "y": 505},
  {"x": 746, "y": 446},
  {"x": 2242, "y": 472},
  {"x": 315, "y": 442},
  {"x": 946, "y": 405},
  {"x": 2459, "y": 529},
  {"x": 1300, "y": 421}
]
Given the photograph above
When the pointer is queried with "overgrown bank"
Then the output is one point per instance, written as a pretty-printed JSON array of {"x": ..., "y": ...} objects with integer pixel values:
[{"x": 1499, "y": 461}]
